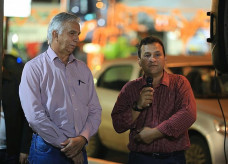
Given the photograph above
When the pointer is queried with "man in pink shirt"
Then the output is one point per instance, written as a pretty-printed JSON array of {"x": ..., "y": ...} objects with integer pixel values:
[
  {"x": 58, "y": 97},
  {"x": 158, "y": 108}
]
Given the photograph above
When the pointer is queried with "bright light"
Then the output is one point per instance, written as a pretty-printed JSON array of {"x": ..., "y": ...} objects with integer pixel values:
[
  {"x": 89, "y": 17},
  {"x": 99, "y": 5},
  {"x": 95, "y": 81},
  {"x": 17, "y": 8},
  {"x": 19, "y": 60},
  {"x": 98, "y": 67},
  {"x": 173, "y": 35},
  {"x": 91, "y": 26},
  {"x": 101, "y": 22},
  {"x": 15, "y": 38},
  {"x": 91, "y": 48},
  {"x": 75, "y": 9}
]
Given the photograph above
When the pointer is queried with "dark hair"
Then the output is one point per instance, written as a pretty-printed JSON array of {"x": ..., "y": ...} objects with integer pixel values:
[{"x": 149, "y": 40}]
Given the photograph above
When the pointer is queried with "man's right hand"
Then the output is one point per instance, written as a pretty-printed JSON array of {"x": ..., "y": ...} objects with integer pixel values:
[
  {"x": 146, "y": 97},
  {"x": 73, "y": 146}
]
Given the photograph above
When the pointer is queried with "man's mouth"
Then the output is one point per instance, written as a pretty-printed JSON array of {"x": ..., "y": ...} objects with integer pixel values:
[
  {"x": 152, "y": 65},
  {"x": 73, "y": 46}
]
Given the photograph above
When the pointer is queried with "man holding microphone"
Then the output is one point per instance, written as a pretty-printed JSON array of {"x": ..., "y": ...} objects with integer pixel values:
[{"x": 157, "y": 108}]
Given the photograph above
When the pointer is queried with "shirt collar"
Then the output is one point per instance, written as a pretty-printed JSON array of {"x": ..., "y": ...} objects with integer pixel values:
[
  {"x": 52, "y": 55},
  {"x": 164, "y": 80},
  {"x": 71, "y": 58}
]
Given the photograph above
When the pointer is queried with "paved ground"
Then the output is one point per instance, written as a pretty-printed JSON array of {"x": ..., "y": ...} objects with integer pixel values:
[{"x": 99, "y": 161}]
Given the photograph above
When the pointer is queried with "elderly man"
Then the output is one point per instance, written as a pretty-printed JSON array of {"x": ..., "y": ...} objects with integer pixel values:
[{"x": 58, "y": 97}]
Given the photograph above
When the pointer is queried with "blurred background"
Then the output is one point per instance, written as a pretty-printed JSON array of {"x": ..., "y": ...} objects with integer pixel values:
[{"x": 110, "y": 28}]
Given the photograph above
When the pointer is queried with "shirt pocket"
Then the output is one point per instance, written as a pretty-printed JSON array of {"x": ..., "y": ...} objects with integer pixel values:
[{"x": 82, "y": 91}]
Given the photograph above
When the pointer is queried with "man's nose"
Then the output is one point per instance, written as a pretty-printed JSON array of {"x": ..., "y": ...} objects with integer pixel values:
[
  {"x": 76, "y": 38},
  {"x": 152, "y": 58}
]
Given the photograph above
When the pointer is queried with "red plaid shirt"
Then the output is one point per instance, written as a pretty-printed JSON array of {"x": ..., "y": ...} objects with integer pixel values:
[{"x": 172, "y": 112}]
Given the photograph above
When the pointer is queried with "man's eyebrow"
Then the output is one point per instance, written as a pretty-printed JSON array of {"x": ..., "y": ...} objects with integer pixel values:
[
  {"x": 157, "y": 52},
  {"x": 147, "y": 52},
  {"x": 74, "y": 31}
]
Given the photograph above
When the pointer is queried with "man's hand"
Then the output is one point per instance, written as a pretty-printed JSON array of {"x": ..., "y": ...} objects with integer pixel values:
[
  {"x": 23, "y": 158},
  {"x": 78, "y": 159},
  {"x": 73, "y": 146},
  {"x": 146, "y": 97},
  {"x": 148, "y": 135}
]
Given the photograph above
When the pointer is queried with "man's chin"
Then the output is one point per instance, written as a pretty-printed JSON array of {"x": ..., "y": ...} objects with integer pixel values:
[{"x": 70, "y": 51}]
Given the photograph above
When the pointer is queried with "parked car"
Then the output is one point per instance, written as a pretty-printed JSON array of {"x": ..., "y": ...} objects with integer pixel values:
[{"x": 206, "y": 134}]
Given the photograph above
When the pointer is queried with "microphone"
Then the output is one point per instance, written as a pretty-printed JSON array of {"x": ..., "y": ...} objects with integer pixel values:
[{"x": 149, "y": 81}]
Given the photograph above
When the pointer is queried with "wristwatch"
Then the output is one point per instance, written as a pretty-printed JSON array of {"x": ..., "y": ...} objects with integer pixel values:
[{"x": 135, "y": 107}]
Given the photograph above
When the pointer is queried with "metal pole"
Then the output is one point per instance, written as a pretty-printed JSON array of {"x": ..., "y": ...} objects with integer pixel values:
[
  {"x": 1, "y": 42},
  {"x": 6, "y": 34}
]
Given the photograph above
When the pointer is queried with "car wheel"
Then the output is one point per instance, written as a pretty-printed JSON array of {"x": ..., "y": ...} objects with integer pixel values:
[
  {"x": 95, "y": 147},
  {"x": 198, "y": 153}
]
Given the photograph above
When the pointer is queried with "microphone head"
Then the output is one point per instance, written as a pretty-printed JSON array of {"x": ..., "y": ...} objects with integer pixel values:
[{"x": 149, "y": 81}]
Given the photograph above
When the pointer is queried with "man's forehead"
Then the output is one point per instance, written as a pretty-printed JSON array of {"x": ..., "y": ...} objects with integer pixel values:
[
  {"x": 154, "y": 46},
  {"x": 71, "y": 23},
  {"x": 72, "y": 27}
]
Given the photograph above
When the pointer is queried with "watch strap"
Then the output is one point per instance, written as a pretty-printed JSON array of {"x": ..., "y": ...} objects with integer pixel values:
[{"x": 135, "y": 107}]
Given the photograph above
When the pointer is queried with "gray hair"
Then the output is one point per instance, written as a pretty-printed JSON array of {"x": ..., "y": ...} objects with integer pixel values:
[{"x": 57, "y": 23}]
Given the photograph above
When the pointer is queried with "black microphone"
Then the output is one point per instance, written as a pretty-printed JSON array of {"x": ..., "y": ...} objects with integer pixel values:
[{"x": 149, "y": 81}]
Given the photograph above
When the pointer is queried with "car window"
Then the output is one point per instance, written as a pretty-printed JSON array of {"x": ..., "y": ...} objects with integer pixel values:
[
  {"x": 115, "y": 77},
  {"x": 203, "y": 82}
]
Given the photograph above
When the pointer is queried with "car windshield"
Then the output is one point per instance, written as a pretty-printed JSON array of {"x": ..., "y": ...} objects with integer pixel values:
[{"x": 203, "y": 81}]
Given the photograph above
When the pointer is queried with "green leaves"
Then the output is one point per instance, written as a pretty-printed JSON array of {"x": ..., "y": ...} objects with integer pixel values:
[{"x": 120, "y": 49}]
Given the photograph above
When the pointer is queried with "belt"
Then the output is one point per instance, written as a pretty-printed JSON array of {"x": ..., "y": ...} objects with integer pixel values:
[{"x": 162, "y": 155}]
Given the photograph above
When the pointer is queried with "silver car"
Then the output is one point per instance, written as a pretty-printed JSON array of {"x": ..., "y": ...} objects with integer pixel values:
[{"x": 207, "y": 134}]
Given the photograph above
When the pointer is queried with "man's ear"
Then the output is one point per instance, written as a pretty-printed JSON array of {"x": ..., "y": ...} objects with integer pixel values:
[
  {"x": 139, "y": 62},
  {"x": 55, "y": 34},
  {"x": 165, "y": 59}
]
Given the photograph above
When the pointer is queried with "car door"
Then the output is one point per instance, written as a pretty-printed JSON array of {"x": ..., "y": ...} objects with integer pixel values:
[{"x": 108, "y": 86}]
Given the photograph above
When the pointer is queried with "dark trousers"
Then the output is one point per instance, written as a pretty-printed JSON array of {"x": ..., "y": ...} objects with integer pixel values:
[
  {"x": 43, "y": 153},
  {"x": 5, "y": 158},
  {"x": 172, "y": 158}
]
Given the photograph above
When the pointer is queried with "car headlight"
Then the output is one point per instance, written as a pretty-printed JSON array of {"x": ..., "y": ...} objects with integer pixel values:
[{"x": 220, "y": 127}]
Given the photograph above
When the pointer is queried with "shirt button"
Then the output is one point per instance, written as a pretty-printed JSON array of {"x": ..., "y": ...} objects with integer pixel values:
[{"x": 76, "y": 109}]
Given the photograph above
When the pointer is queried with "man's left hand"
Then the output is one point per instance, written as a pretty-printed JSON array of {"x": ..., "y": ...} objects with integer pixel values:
[
  {"x": 73, "y": 146},
  {"x": 79, "y": 159}
]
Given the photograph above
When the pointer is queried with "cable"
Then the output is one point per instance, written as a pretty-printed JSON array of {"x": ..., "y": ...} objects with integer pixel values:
[{"x": 224, "y": 118}]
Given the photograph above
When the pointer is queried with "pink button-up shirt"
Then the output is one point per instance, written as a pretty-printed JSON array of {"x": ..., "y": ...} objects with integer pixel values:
[{"x": 59, "y": 101}]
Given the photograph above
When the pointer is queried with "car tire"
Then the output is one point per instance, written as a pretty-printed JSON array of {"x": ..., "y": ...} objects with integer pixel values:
[
  {"x": 95, "y": 147},
  {"x": 198, "y": 153}
]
